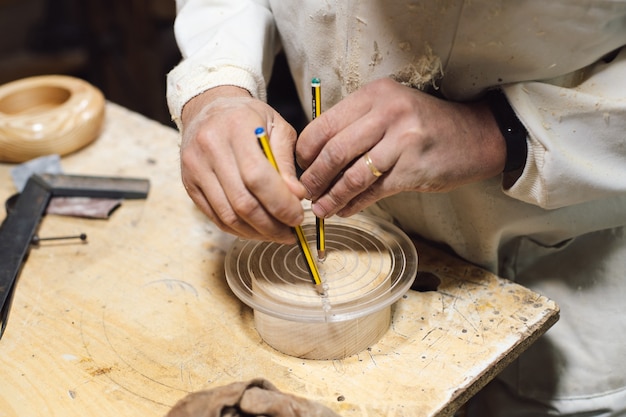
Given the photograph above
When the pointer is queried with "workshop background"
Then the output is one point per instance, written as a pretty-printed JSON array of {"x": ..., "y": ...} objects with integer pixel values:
[{"x": 123, "y": 47}]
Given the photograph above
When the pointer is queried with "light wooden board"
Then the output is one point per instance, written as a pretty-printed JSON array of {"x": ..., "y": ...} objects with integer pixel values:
[{"x": 141, "y": 315}]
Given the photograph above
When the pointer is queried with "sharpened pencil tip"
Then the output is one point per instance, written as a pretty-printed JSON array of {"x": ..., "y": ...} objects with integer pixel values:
[{"x": 320, "y": 290}]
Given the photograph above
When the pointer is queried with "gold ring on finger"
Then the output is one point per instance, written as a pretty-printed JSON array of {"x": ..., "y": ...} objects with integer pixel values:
[{"x": 368, "y": 161}]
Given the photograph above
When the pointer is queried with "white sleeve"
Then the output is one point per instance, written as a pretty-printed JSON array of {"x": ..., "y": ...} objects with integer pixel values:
[
  {"x": 222, "y": 42},
  {"x": 577, "y": 137}
]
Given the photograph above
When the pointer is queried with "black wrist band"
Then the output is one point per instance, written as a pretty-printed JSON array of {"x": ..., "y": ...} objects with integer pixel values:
[{"x": 511, "y": 128}]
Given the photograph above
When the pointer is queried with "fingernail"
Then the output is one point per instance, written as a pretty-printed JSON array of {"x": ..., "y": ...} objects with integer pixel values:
[{"x": 318, "y": 210}]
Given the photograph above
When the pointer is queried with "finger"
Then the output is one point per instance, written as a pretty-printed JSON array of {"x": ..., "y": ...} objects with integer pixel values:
[
  {"x": 200, "y": 200},
  {"x": 354, "y": 182},
  {"x": 273, "y": 210},
  {"x": 266, "y": 183},
  {"x": 207, "y": 193},
  {"x": 365, "y": 199},
  {"x": 316, "y": 134},
  {"x": 252, "y": 189},
  {"x": 382, "y": 165},
  {"x": 339, "y": 154}
]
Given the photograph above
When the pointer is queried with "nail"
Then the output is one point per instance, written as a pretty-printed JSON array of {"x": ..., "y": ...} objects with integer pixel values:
[{"x": 36, "y": 239}]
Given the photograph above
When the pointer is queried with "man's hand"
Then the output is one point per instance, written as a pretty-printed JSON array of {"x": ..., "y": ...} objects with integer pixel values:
[
  {"x": 226, "y": 173},
  {"x": 387, "y": 138}
]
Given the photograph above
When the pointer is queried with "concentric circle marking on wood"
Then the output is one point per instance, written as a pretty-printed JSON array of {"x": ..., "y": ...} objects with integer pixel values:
[{"x": 369, "y": 265}]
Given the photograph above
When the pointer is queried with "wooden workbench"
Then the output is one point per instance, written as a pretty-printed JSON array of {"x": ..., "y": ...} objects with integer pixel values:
[{"x": 130, "y": 322}]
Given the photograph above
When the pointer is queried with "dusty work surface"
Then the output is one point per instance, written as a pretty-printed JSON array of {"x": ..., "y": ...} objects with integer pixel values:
[{"x": 133, "y": 320}]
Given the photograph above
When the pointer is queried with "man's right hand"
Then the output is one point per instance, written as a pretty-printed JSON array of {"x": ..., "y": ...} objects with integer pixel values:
[{"x": 227, "y": 175}]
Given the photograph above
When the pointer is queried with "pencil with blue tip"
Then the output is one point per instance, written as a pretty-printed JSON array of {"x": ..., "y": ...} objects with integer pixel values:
[
  {"x": 316, "y": 104},
  {"x": 302, "y": 242}
]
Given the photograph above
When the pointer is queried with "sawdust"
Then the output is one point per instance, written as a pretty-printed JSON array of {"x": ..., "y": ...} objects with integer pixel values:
[
  {"x": 348, "y": 60},
  {"x": 376, "y": 56},
  {"x": 101, "y": 371},
  {"x": 426, "y": 71}
]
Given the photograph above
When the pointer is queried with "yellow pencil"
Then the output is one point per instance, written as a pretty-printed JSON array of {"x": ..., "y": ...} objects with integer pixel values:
[
  {"x": 316, "y": 94},
  {"x": 302, "y": 242}
]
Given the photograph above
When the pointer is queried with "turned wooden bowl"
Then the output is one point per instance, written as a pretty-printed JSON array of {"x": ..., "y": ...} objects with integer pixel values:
[{"x": 50, "y": 114}]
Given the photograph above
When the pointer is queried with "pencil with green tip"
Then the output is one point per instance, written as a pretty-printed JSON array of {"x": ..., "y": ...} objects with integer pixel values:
[
  {"x": 302, "y": 242},
  {"x": 316, "y": 104}
]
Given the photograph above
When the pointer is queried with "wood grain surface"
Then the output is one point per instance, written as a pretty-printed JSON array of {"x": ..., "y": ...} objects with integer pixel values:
[{"x": 141, "y": 315}]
